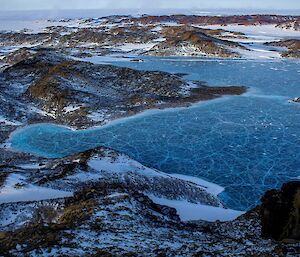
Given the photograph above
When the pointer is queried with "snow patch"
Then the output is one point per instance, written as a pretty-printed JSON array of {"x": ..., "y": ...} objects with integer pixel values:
[
  {"x": 264, "y": 32},
  {"x": 84, "y": 177},
  {"x": 190, "y": 211},
  {"x": 16, "y": 189},
  {"x": 31, "y": 166},
  {"x": 5, "y": 121},
  {"x": 128, "y": 47},
  {"x": 121, "y": 164},
  {"x": 71, "y": 108},
  {"x": 99, "y": 116},
  {"x": 209, "y": 187}
]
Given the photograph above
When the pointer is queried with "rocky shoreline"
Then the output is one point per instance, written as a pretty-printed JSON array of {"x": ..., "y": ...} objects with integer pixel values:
[
  {"x": 44, "y": 86},
  {"x": 80, "y": 94},
  {"x": 292, "y": 45}
]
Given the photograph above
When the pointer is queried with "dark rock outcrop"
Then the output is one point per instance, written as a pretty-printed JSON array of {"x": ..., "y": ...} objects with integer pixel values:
[
  {"x": 2, "y": 178},
  {"x": 218, "y": 20},
  {"x": 280, "y": 212},
  {"x": 187, "y": 40},
  {"x": 293, "y": 46},
  {"x": 295, "y": 100}
]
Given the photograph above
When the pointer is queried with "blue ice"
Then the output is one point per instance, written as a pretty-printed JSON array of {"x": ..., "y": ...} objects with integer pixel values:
[{"x": 247, "y": 144}]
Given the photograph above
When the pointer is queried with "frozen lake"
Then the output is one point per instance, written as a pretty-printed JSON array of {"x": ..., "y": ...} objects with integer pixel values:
[{"x": 247, "y": 144}]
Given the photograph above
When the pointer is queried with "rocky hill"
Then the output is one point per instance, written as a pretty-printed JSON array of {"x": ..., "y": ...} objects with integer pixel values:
[
  {"x": 187, "y": 40},
  {"x": 175, "y": 35},
  {"x": 88, "y": 206},
  {"x": 217, "y": 20},
  {"x": 49, "y": 86}
]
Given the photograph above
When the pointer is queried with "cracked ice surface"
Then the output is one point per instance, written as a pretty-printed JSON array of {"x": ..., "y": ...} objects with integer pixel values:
[{"x": 247, "y": 144}]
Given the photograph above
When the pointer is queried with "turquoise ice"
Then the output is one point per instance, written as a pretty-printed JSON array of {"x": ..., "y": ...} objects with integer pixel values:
[{"x": 247, "y": 144}]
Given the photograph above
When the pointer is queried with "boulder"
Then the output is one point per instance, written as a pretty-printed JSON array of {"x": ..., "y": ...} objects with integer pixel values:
[{"x": 280, "y": 212}]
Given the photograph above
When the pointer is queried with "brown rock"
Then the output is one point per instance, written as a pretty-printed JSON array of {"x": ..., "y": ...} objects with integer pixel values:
[
  {"x": 18, "y": 56},
  {"x": 2, "y": 235},
  {"x": 280, "y": 212}
]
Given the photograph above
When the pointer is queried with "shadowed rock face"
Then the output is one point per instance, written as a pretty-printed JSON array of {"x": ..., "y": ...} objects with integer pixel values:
[
  {"x": 2, "y": 179},
  {"x": 280, "y": 212}
]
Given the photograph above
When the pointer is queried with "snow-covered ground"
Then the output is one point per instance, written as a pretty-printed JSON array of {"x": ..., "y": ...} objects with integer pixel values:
[
  {"x": 185, "y": 209},
  {"x": 16, "y": 189},
  {"x": 190, "y": 211},
  {"x": 209, "y": 187},
  {"x": 100, "y": 115},
  {"x": 255, "y": 37},
  {"x": 260, "y": 51},
  {"x": 5, "y": 121},
  {"x": 128, "y": 47},
  {"x": 71, "y": 108},
  {"x": 31, "y": 166},
  {"x": 36, "y": 26},
  {"x": 41, "y": 25},
  {"x": 123, "y": 164},
  {"x": 259, "y": 33}
]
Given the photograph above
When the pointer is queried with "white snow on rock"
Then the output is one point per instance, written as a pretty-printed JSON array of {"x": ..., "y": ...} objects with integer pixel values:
[
  {"x": 121, "y": 163},
  {"x": 209, "y": 187},
  {"x": 128, "y": 47},
  {"x": 261, "y": 32},
  {"x": 31, "y": 166},
  {"x": 71, "y": 108},
  {"x": 255, "y": 37},
  {"x": 186, "y": 210},
  {"x": 15, "y": 189},
  {"x": 5, "y": 121},
  {"x": 84, "y": 177},
  {"x": 190, "y": 211},
  {"x": 98, "y": 116},
  {"x": 34, "y": 109},
  {"x": 259, "y": 51}
]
